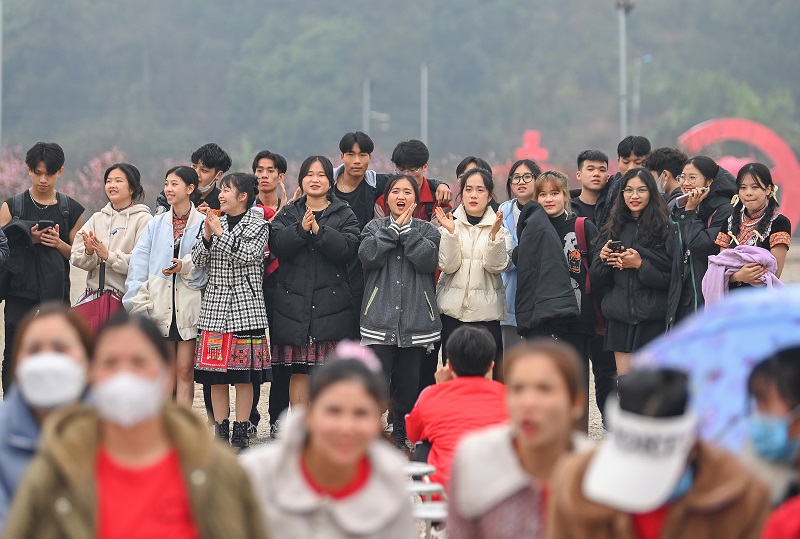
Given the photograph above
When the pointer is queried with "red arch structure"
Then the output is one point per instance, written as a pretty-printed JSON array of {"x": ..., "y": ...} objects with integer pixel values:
[{"x": 785, "y": 167}]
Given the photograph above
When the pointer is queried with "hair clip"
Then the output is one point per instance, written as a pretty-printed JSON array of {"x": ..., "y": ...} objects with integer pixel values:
[
  {"x": 775, "y": 192},
  {"x": 735, "y": 200},
  {"x": 353, "y": 350}
]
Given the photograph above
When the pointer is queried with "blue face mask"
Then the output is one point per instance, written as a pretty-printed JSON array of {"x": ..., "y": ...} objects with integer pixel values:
[
  {"x": 770, "y": 437},
  {"x": 684, "y": 485}
]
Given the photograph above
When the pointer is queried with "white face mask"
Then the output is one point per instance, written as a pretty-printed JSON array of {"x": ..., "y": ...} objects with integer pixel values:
[
  {"x": 208, "y": 187},
  {"x": 126, "y": 399},
  {"x": 50, "y": 380}
]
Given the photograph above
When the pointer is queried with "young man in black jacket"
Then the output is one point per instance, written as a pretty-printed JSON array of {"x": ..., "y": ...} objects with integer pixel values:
[
  {"x": 210, "y": 162},
  {"x": 631, "y": 152},
  {"x": 666, "y": 164},
  {"x": 39, "y": 269},
  {"x": 593, "y": 199}
]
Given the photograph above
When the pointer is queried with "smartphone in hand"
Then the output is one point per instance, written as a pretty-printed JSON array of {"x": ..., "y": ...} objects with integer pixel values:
[
  {"x": 44, "y": 225},
  {"x": 171, "y": 266},
  {"x": 616, "y": 246}
]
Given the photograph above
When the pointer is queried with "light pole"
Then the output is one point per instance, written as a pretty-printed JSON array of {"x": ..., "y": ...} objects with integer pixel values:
[
  {"x": 623, "y": 8},
  {"x": 636, "y": 101},
  {"x": 366, "y": 106},
  {"x": 423, "y": 103}
]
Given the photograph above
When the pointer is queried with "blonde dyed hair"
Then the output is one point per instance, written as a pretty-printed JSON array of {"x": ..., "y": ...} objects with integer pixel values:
[{"x": 559, "y": 179}]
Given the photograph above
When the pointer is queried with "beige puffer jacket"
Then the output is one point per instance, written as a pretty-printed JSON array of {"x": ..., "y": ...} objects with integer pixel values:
[{"x": 471, "y": 288}]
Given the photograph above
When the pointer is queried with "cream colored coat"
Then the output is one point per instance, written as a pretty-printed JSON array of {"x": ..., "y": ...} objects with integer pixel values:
[
  {"x": 293, "y": 510},
  {"x": 471, "y": 288},
  {"x": 119, "y": 232}
]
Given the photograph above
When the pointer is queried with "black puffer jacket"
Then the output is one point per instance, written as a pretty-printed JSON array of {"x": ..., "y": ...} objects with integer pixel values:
[
  {"x": 699, "y": 230},
  {"x": 650, "y": 293},
  {"x": 544, "y": 291},
  {"x": 313, "y": 298}
]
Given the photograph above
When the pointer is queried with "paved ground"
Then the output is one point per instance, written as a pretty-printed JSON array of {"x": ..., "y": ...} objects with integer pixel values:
[{"x": 791, "y": 275}]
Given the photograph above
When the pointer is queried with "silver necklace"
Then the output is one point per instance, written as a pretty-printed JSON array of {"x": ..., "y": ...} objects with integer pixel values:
[{"x": 41, "y": 208}]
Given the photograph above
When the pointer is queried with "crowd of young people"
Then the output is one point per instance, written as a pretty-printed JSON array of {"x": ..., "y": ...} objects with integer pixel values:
[{"x": 243, "y": 285}]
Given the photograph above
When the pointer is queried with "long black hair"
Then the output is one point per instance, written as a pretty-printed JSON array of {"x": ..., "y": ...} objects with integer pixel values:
[
  {"x": 654, "y": 223},
  {"x": 763, "y": 177}
]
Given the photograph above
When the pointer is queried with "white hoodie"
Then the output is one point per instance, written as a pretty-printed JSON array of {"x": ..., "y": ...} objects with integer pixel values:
[{"x": 119, "y": 232}]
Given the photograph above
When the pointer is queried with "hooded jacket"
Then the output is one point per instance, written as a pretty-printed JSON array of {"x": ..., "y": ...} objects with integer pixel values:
[
  {"x": 470, "y": 287},
  {"x": 293, "y": 510},
  {"x": 149, "y": 291},
  {"x": 651, "y": 293},
  {"x": 700, "y": 227},
  {"x": 119, "y": 232},
  {"x": 399, "y": 265},
  {"x": 313, "y": 296},
  {"x": 58, "y": 496},
  {"x": 725, "y": 502},
  {"x": 544, "y": 290}
]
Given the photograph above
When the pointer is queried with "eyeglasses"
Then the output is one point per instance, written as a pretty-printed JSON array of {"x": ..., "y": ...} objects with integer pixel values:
[
  {"x": 517, "y": 179},
  {"x": 641, "y": 191},
  {"x": 691, "y": 177},
  {"x": 409, "y": 171}
]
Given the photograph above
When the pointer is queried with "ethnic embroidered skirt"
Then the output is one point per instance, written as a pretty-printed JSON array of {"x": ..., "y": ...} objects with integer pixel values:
[{"x": 239, "y": 357}]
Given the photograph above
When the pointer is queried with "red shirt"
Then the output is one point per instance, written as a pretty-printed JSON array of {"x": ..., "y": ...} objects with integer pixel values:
[
  {"x": 143, "y": 503},
  {"x": 784, "y": 522},
  {"x": 649, "y": 525},
  {"x": 446, "y": 412},
  {"x": 358, "y": 482}
]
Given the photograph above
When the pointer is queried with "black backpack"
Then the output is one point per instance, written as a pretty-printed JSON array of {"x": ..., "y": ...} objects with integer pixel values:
[{"x": 18, "y": 205}]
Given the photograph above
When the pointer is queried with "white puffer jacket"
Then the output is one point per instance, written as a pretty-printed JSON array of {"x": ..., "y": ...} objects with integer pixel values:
[{"x": 471, "y": 288}]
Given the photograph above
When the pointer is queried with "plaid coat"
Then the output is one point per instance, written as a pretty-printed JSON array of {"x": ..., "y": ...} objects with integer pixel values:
[{"x": 233, "y": 300}]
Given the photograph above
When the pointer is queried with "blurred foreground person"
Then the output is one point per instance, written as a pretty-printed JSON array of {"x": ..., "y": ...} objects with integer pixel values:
[
  {"x": 330, "y": 475},
  {"x": 500, "y": 477},
  {"x": 50, "y": 359},
  {"x": 136, "y": 465},
  {"x": 652, "y": 477},
  {"x": 773, "y": 447}
]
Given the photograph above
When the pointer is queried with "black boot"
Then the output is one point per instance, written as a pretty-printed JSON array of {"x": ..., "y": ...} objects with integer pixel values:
[
  {"x": 223, "y": 430},
  {"x": 399, "y": 433},
  {"x": 239, "y": 440}
]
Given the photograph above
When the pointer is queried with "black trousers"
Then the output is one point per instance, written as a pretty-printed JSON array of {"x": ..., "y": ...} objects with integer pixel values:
[
  {"x": 401, "y": 368},
  {"x": 279, "y": 392},
  {"x": 427, "y": 369},
  {"x": 450, "y": 324},
  {"x": 604, "y": 368},
  {"x": 15, "y": 311}
]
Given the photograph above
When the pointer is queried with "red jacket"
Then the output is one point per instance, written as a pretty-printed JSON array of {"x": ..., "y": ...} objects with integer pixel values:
[
  {"x": 784, "y": 522},
  {"x": 446, "y": 412}
]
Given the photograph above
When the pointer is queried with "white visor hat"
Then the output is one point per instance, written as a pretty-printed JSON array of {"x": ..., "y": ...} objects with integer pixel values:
[{"x": 637, "y": 467}]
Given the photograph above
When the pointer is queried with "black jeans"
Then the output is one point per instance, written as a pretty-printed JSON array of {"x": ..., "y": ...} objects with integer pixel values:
[
  {"x": 15, "y": 311},
  {"x": 401, "y": 368},
  {"x": 604, "y": 367},
  {"x": 279, "y": 392},
  {"x": 450, "y": 324}
]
